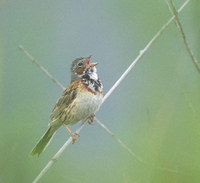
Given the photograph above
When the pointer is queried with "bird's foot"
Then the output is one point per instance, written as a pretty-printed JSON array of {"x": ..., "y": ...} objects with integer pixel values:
[
  {"x": 74, "y": 135},
  {"x": 91, "y": 119}
]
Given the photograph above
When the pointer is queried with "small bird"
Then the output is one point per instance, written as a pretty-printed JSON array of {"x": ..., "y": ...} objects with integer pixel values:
[{"x": 80, "y": 100}]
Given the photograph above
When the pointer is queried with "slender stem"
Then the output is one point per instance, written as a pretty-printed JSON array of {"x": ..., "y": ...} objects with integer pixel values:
[
  {"x": 180, "y": 28},
  {"x": 132, "y": 153},
  {"x": 40, "y": 67},
  {"x": 62, "y": 87},
  {"x": 57, "y": 155},
  {"x": 119, "y": 141},
  {"x": 142, "y": 52}
]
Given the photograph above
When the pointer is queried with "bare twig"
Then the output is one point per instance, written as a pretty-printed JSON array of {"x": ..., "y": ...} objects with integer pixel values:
[
  {"x": 63, "y": 88},
  {"x": 57, "y": 155},
  {"x": 180, "y": 28},
  {"x": 142, "y": 52},
  {"x": 119, "y": 141},
  {"x": 42, "y": 68}
]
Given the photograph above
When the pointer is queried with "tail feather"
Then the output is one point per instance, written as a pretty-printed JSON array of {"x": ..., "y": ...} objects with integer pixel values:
[{"x": 44, "y": 141}]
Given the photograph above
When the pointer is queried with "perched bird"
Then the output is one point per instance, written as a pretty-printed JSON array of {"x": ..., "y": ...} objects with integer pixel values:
[{"x": 80, "y": 100}]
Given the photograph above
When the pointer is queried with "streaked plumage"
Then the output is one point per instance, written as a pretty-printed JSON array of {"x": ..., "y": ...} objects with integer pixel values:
[{"x": 80, "y": 100}]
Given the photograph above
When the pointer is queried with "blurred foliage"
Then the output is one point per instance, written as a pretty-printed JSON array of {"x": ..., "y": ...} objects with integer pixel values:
[{"x": 155, "y": 111}]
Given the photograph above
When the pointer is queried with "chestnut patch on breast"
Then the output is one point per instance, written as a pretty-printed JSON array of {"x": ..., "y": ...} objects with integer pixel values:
[{"x": 89, "y": 90}]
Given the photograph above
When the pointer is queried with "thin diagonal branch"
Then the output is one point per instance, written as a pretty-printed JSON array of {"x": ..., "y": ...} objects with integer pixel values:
[
  {"x": 142, "y": 52},
  {"x": 63, "y": 88},
  {"x": 180, "y": 28},
  {"x": 119, "y": 141},
  {"x": 40, "y": 67},
  {"x": 68, "y": 142},
  {"x": 57, "y": 155}
]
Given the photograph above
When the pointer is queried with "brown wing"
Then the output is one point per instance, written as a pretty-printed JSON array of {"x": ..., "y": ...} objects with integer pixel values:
[{"x": 65, "y": 100}]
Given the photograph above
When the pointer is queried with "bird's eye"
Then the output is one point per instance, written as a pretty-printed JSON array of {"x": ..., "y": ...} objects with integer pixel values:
[{"x": 80, "y": 64}]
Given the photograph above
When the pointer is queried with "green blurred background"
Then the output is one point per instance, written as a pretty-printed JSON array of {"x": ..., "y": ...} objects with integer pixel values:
[{"x": 155, "y": 110}]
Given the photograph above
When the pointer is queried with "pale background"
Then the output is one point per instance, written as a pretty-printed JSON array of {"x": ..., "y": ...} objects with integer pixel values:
[{"x": 155, "y": 111}]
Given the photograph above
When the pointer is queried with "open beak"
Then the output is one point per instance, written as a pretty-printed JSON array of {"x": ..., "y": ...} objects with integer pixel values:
[
  {"x": 89, "y": 64},
  {"x": 93, "y": 64}
]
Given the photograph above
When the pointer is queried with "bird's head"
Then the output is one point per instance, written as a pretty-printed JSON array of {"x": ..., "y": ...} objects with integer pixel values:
[{"x": 82, "y": 66}]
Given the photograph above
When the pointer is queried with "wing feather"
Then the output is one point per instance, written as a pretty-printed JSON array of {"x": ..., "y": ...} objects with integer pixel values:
[{"x": 64, "y": 101}]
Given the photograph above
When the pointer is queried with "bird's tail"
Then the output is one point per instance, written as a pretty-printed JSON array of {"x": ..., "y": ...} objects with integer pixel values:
[{"x": 44, "y": 141}]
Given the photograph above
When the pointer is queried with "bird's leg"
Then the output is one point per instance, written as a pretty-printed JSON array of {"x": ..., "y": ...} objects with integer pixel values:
[
  {"x": 91, "y": 119},
  {"x": 73, "y": 134}
]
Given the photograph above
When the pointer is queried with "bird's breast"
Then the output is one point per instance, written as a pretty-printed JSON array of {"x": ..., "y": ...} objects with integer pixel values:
[
  {"x": 89, "y": 102},
  {"x": 86, "y": 104}
]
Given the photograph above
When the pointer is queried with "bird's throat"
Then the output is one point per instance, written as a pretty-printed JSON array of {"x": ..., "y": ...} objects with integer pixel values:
[{"x": 92, "y": 81}]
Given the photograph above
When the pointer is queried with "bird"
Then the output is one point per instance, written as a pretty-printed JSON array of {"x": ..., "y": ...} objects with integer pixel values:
[{"x": 79, "y": 101}]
